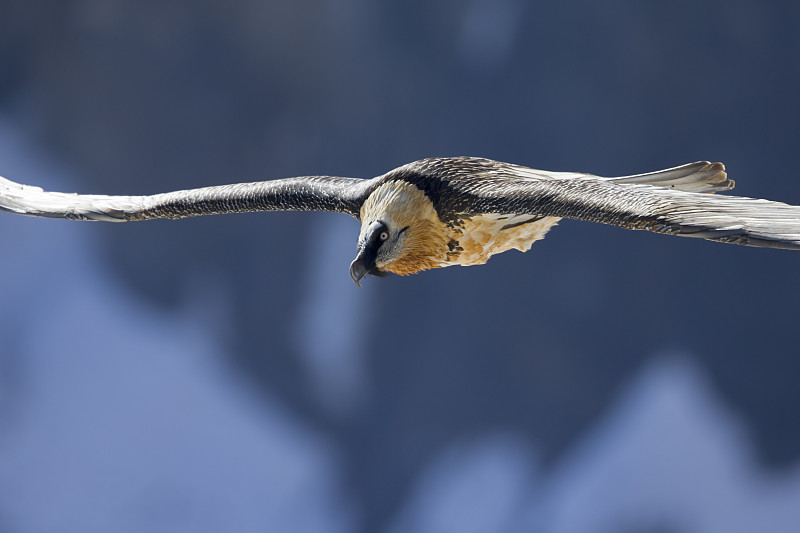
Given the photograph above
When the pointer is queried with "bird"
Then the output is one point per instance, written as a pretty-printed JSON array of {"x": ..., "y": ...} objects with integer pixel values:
[{"x": 443, "y": 211}]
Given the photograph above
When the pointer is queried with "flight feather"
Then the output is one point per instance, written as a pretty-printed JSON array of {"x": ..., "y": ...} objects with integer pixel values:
[{"x": 308, "y": 193}]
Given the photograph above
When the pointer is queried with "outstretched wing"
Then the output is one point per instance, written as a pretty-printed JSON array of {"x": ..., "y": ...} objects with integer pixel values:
[
  {"x": 655, "y": 202},
  {"x": 671, "y": 201},
  {"x": 308, "y": 193}
]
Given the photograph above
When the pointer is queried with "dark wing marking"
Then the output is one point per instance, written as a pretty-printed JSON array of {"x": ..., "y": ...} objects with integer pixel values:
[
  {"x": 309, "y": 193},
  {"x": 661, "y": 202},
  {"x": 521, "y": 222}
]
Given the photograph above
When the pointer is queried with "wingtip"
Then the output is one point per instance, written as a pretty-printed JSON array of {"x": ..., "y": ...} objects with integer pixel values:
[
  {"x": 700, "y": 176},
  {"x": 716, "y": 178}
]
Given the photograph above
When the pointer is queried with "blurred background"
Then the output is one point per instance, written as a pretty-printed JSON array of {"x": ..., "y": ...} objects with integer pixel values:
[{"x": 224, "y": 374}]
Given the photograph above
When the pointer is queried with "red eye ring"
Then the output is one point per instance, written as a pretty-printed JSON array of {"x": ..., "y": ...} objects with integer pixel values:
[{"x": 384, "y": 235}]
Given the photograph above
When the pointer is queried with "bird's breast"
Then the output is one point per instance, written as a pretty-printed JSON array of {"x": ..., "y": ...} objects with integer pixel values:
[{"x": 476, "y": 238}]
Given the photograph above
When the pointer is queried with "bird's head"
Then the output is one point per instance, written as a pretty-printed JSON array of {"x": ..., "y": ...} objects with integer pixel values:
[
  {"x": 378, "y": 247},
  {"x": 400, "y": 233}
]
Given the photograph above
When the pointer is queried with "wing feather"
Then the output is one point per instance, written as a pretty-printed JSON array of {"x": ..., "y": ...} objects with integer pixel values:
[
  {"x": 701, "y": 176},
  {"x": 647, "y": 202},
  {"x": 308, "y": 193}
]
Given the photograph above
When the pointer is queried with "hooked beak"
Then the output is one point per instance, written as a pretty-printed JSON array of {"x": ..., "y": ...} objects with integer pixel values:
[{"x": 358, "y": 268}]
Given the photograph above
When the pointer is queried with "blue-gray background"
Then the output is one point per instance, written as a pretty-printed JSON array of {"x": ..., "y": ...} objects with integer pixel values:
[{"x": 225, "y": 374}]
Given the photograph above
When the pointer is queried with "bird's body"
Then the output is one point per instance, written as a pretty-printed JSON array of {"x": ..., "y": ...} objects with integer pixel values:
[
  {"x": 466, "y": 240},
  {"x": 440, "y": 212}
]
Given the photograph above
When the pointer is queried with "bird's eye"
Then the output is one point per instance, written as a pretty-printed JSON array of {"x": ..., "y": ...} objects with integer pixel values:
[{"x": 384, "y": 235}]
